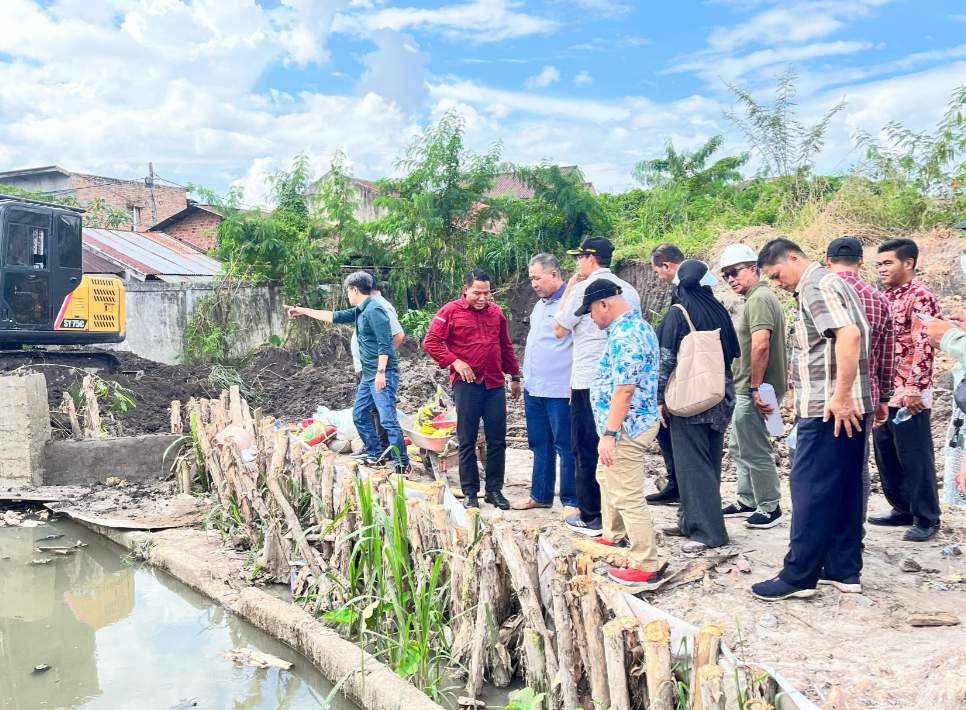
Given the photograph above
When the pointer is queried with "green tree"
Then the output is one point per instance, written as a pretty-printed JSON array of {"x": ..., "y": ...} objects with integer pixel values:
[
  {"x": 930, "y": 160},
  {"x": 285, "y": 245},
  {"x": 691, "y": 169},
  {"x": 561, "y": 212},
  {"x": 786, "y": 145},
  {"x": 435, "y": 214}
]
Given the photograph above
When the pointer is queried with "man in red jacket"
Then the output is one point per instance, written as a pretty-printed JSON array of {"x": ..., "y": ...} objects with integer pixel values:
[{"x": 471, "y": 338}]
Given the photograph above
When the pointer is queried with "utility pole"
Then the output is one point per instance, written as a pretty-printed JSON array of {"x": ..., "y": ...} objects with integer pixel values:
[{"x": 154, "y": 204}]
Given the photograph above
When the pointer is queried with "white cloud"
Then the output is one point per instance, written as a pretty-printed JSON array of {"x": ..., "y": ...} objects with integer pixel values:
[
  {"x": 583, "y": 78},
  {"x": 547, "y": 76},
  {"x": 533, "y": 104},
  {"x": 478, "y": 21},
  {"x": 958, "y": 18},
  {"x": 604, "y": 8},
  {"x": 396, "y": 70},
  {"x": 732, "y": 68}
]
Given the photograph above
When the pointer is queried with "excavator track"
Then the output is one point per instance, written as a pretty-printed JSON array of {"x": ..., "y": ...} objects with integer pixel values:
[{"x": 97, "y": 361}]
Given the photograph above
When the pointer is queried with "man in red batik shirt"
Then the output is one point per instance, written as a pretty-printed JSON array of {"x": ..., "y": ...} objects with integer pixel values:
[
  {"x": 470, "y": 336},
  {"x": 903, "y": 447}
]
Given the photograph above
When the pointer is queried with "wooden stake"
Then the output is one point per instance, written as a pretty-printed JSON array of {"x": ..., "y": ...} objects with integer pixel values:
[
  {"x": 706, "y": 647},
  {"x": 528, "y": 596},
  {"x": 68, "y": 408},
  {"x": 184, "y": 475},
  {"x": 92, "y": 418},
  {"x": 302, "y": 544},
  {"x": 177, "y": 427},
  {"x": 474, "y": 681},
  {"x": 565, "y": 644},
  {"x": 535, "y": 661},
  {"x": 712, "y": 687},
  {"x": 616, "y": 668},
  {"x": 591, "y": 615},
  {"x": 657, "y": 655}
]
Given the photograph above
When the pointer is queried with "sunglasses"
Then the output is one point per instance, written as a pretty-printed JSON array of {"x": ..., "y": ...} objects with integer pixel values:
[{"x": 731, "y": 273}]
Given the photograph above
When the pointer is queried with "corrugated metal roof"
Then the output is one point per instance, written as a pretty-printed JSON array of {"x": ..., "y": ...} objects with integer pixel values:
[
  {"x": 94, "y": 263},
  {"x": 151, "y": 254}
]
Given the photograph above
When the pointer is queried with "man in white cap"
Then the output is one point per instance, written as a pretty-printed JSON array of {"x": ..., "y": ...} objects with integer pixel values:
[{"x": 761, "y": 334}]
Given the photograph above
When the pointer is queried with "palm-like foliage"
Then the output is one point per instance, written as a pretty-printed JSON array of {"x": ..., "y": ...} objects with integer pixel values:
[{"x": 690, "y": 169}]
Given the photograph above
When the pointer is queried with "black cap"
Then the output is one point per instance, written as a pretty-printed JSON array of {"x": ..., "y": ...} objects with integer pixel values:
[
  {"x": 594, "y": 246},
  {"x": 845, "y": 246},
  {"x": 597, "y": 290}
]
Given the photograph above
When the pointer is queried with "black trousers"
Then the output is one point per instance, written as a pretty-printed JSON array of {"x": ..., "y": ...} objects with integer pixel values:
[
  {"x": 826, "y": 488},
  {"x": 474, "y": 402},
  {"x": 907, "y": 467},
  {"x": 583, "y": 442},
  {"x": 667, "y": 451},
  {"x": 699, "y": 449}
]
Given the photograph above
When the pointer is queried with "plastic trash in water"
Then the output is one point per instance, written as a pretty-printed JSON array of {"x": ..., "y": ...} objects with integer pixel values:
[{"x": 903, "y": 415}]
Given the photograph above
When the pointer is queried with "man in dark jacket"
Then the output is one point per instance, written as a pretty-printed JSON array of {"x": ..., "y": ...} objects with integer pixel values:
[{"x": 470, "y": 336}]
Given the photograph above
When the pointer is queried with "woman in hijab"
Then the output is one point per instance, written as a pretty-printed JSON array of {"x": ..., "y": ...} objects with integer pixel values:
[{"x": 698, "y": 441}]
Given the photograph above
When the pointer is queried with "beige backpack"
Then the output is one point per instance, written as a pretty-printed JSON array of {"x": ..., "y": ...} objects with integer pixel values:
[{"x": 698, "y": 381}]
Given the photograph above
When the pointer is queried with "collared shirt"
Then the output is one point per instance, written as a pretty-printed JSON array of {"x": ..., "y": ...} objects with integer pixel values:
[
  {"x": 394, "y": 329},
  {"x": 882, "y": 335},
  {"x": 589, "y": 340},
  {"x": 481, "y": 339},
  {"x": 547, "y": 360},
  {"x": 762, "y": 311},
  {"x": 825, "y": 304},
  {"x": 631, "y": 357},
  {"x": 914, "y": 354},
  {"x": 375, "y": 338}
]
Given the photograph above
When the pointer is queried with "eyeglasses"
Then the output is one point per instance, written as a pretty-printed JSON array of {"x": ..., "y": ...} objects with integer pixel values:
[{"x": 731, "y": 273}]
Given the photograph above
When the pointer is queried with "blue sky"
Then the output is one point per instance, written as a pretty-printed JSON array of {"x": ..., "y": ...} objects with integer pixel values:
[{"x": 222, "y": 92}]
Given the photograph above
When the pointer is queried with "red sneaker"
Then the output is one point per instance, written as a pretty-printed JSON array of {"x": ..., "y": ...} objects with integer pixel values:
[
  {"x": 633, "y": 577},
  {"x": 619, "y": 543}
]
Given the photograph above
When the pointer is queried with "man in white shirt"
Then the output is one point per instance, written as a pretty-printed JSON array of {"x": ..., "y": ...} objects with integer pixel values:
[{"x": 593, "y": 262}]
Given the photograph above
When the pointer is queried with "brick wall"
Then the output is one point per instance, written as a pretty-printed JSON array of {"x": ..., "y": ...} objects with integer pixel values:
[
  {"x": 198, "y": 228},
  {"x": 127, "y": 194}
]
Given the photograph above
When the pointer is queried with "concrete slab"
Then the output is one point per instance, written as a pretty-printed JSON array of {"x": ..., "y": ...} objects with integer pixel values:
[{"x": 133, "y": 458}]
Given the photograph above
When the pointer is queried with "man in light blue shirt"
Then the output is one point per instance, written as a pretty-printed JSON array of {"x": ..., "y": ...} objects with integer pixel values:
[{"x": 547, "y": 363}]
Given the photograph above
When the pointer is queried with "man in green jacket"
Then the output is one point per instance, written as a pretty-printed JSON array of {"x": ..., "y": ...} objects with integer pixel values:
[
  {"x": 380, "y": 367},
  {"x": 761, "y": 334}
]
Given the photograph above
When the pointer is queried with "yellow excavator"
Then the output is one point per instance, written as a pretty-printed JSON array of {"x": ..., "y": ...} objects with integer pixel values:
[{"x": 45, "y": 298}]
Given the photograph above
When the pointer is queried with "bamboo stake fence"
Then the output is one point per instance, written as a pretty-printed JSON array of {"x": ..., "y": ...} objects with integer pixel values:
[{"x": 582, "y": 646}]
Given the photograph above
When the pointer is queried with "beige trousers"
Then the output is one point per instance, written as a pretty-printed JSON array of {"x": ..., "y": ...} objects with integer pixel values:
[{"x": 623, "y": 509}]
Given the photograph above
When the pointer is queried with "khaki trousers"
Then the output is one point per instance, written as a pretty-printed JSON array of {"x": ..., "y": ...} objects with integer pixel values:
[{"x": 623, "y": 509}]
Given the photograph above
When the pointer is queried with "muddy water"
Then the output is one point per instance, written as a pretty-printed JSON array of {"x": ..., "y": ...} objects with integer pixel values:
[{"x": 118, "y": 635}]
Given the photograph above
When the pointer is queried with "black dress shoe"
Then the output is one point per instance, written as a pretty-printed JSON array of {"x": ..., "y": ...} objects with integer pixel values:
[
  {"x": 471, "y": 501},
  {"x": 917, "y": 533},
  {"x": 892, "y": 518},
  {"x": 497, "y": 499},
  {"x": 668, "y": 495}
]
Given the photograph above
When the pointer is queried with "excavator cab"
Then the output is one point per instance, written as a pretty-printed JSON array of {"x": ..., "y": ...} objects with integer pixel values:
[{"x": 45, "y": 299}]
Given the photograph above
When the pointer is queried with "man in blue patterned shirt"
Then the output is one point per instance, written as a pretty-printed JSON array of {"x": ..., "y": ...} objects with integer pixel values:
[{"x": 624, "y": 401}]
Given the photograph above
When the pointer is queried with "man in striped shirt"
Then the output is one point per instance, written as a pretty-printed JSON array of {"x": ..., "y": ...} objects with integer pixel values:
[
  {"x": 830, "y": 375},
  {"x": 844, "y": 257}
]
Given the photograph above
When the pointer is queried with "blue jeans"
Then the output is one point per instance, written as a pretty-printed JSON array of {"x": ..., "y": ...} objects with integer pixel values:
[
  {"x": 548, "y": 436},
  {"x": 385, "y": 402}
]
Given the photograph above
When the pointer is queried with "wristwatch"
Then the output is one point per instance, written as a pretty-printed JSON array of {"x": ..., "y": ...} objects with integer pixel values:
[
  {"x": 381, "y": 371},
  {"x": 752, "y": 389},
  {"x": 608, "y": 432},
  {"x": 516, "y": 378}
]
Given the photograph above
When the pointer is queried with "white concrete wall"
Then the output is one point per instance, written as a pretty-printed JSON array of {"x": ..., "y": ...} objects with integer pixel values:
[
  {"x": 24, "y": 429},
  {"x": 158, "y": 314}
]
